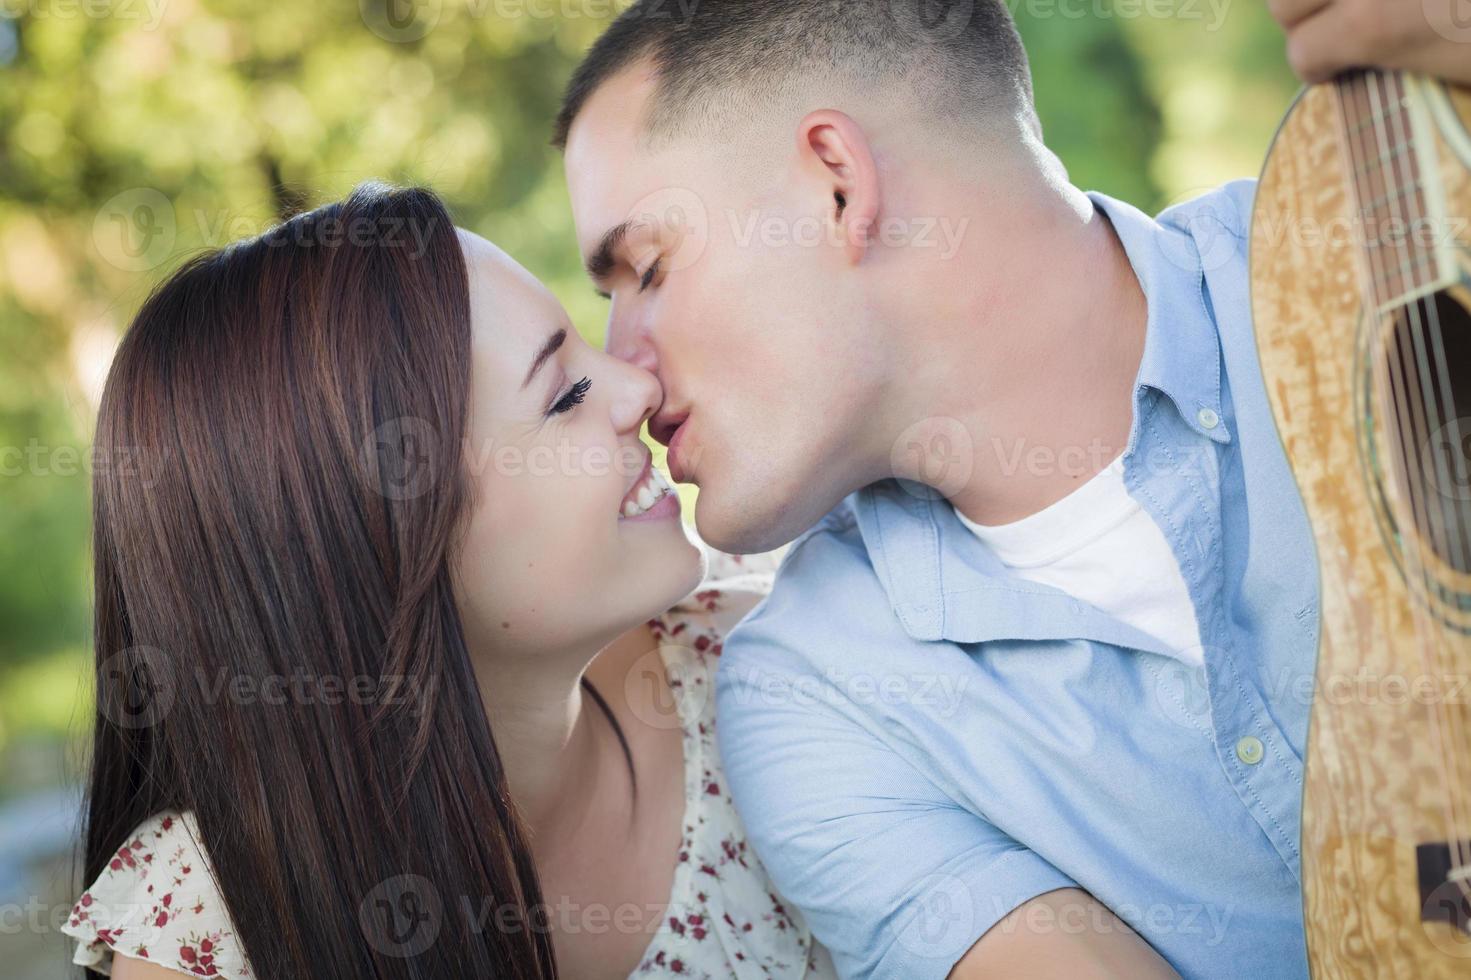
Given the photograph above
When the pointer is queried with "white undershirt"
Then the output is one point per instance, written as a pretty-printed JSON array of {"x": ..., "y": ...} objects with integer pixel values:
[{"x": 1099, "y": 545}]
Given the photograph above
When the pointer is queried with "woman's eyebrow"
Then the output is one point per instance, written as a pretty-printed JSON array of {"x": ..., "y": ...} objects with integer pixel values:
[{"x": 553, "y": 344}]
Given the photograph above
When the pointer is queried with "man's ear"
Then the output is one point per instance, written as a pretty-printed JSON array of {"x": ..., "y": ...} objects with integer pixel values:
[{"x": 833, "y": 146}]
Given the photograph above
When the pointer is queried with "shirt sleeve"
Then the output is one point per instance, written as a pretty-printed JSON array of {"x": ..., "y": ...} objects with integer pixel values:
[
  {"x": 895, "y": 877},
  {"x": 157, "y": 901}
]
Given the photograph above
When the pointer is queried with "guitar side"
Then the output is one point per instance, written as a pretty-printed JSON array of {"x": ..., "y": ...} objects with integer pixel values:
[{"x": 1374, "y": 775}]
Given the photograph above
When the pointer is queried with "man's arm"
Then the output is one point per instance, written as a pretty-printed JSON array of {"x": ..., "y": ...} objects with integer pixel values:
[
  {"x": 895, "y": 877},
  {"x": 1325, "y": 37},
  {"x": 1063, "y": 934}
]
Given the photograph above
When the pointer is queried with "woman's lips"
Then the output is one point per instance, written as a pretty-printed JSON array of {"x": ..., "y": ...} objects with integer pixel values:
[{"x": 666, "y": 507}]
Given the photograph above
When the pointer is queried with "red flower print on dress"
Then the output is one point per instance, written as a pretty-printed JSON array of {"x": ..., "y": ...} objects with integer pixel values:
[
  {"x": 185, "y": 929},
  {"x": 720, "y": 922}
]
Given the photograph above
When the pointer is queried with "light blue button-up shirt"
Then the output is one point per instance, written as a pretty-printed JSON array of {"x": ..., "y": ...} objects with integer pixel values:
[{"x": 919, "y": 741}]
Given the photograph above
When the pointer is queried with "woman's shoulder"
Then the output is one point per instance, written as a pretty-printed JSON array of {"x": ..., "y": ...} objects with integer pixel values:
[
  {"x": 725, "y": 918},
  {"x": 156, "y": 900}
]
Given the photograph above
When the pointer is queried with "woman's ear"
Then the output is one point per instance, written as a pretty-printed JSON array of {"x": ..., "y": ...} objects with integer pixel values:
[{"x": 830, "y": 143}]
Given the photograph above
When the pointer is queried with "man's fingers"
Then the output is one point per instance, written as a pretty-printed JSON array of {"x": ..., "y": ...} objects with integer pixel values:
[
  {"x": 1290, "y": 12},
  {"x": 1326, "y": 43}
]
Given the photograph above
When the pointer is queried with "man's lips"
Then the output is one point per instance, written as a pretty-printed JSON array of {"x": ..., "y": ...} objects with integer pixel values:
[
  {"x": 671, "y": 428},
  {"x": 664, "y": 423},
  {"x": 681, "y": 469}
]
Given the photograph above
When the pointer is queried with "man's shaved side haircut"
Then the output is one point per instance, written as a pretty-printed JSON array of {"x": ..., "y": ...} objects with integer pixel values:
[{"x": 722, "y": 60}]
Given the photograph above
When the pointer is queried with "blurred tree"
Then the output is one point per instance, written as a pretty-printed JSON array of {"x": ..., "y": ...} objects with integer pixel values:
[
  {"x": 1097, "y": 113},
  {"x": 135, "y": 132},
  {"x": 1223, "y": 85}
]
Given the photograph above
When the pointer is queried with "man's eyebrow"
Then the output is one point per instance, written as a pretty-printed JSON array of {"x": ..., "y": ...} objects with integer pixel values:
[
  {"x": 601, "y": 262},
  {"x": 553, "y": 344}
]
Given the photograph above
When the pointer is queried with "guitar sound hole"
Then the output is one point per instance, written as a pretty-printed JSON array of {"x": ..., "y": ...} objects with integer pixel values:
[
  {"x": 1441, "y": 899},
  {"x": 1429, "y": 420}
]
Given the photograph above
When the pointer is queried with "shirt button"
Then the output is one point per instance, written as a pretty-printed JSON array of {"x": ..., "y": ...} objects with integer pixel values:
[
  {"x": 1249, "y": 750},
  {"x": 1208, "y": 418}
]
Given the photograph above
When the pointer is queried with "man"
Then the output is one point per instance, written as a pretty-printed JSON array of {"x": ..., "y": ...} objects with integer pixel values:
[{"x": 1034, "y": 707}]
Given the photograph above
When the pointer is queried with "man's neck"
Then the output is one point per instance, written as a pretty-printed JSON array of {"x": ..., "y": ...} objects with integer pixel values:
[{"x": 1061, "y": 409}]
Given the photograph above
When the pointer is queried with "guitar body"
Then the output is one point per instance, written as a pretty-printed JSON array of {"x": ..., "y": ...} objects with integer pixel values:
[{"x": 1387, "y": 795}]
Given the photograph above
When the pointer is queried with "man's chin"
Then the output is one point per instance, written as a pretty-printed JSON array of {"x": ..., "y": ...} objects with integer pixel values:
[{"x": 737, "y": 528}]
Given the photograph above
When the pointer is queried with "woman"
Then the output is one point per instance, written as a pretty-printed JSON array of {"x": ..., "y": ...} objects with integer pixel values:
[{"x": 376, "y": 501}]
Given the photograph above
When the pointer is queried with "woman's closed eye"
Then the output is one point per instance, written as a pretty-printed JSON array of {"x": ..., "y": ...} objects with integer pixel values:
[{"x": 572, "y": 398}]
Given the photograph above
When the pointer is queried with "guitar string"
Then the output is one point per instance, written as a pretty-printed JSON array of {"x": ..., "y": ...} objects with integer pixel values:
[
  {"x": 1451, "y": 513},
  {"x": 1421, "y": 416},
  {"x": 1439, "y": 394},
  {"x": 1439, "y": 383},
  {"x": 1354, "y": 87},
  {"x": 1360, "y": 174},
  {"x": 1432, "y": 385},
  {"x": 1402, "y": 415},
  {"x": 1422, "y": 412},
  {"x": 1361, "y": 93}
]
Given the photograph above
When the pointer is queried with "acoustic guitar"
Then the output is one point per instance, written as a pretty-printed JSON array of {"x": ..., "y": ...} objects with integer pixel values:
[{"x": 1361, "y": 294}]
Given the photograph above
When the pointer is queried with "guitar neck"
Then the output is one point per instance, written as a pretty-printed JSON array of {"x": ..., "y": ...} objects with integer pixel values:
[{"x": 1389, "y": 161}]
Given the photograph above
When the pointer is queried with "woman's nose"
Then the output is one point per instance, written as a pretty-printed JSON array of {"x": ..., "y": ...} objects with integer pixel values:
[{"x": 639, "y": 396}]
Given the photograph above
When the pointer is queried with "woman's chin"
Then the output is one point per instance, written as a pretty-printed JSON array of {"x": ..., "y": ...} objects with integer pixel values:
[{"x": 667, "y": 561}]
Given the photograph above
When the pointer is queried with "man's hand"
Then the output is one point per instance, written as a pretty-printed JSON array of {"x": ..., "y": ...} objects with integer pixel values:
[{"x": 1325, "y": 37}]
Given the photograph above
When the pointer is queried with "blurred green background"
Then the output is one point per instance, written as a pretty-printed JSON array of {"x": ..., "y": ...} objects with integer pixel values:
[{"x": 215, "y": 117}]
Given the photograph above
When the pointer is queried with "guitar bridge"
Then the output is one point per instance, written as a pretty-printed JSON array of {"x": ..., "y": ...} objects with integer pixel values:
[{"x": 1445, "y": 885}]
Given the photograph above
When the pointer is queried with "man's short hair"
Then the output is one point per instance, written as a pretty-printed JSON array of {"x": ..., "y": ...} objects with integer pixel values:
[{"x": 720, "y": 59}]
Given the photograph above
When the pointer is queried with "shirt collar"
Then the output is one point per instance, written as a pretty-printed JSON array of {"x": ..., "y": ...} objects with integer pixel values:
[
  {"x": 1182, "y": 351},
  {"x": 925, "y": 557},
  {"x": 944, "y": 584}
]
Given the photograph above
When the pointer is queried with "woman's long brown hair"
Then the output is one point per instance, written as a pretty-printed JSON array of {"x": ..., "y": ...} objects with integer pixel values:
[{"x": 278, "y": 646}]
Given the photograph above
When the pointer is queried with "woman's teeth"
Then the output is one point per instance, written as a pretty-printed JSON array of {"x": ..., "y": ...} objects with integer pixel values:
[{"x": 648, "y": 493}]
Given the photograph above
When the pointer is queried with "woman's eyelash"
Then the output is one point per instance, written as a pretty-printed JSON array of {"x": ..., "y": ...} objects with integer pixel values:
[
  {"x": 648, "y": 277},
  {"x": 573, "y": 398}
]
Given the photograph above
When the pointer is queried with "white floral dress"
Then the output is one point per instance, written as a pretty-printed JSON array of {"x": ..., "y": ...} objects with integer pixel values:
[{"x": 157, "y": 900}]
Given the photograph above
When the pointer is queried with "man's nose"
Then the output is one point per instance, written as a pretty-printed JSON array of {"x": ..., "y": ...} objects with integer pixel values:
[{"x": 633, "y": 347}]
